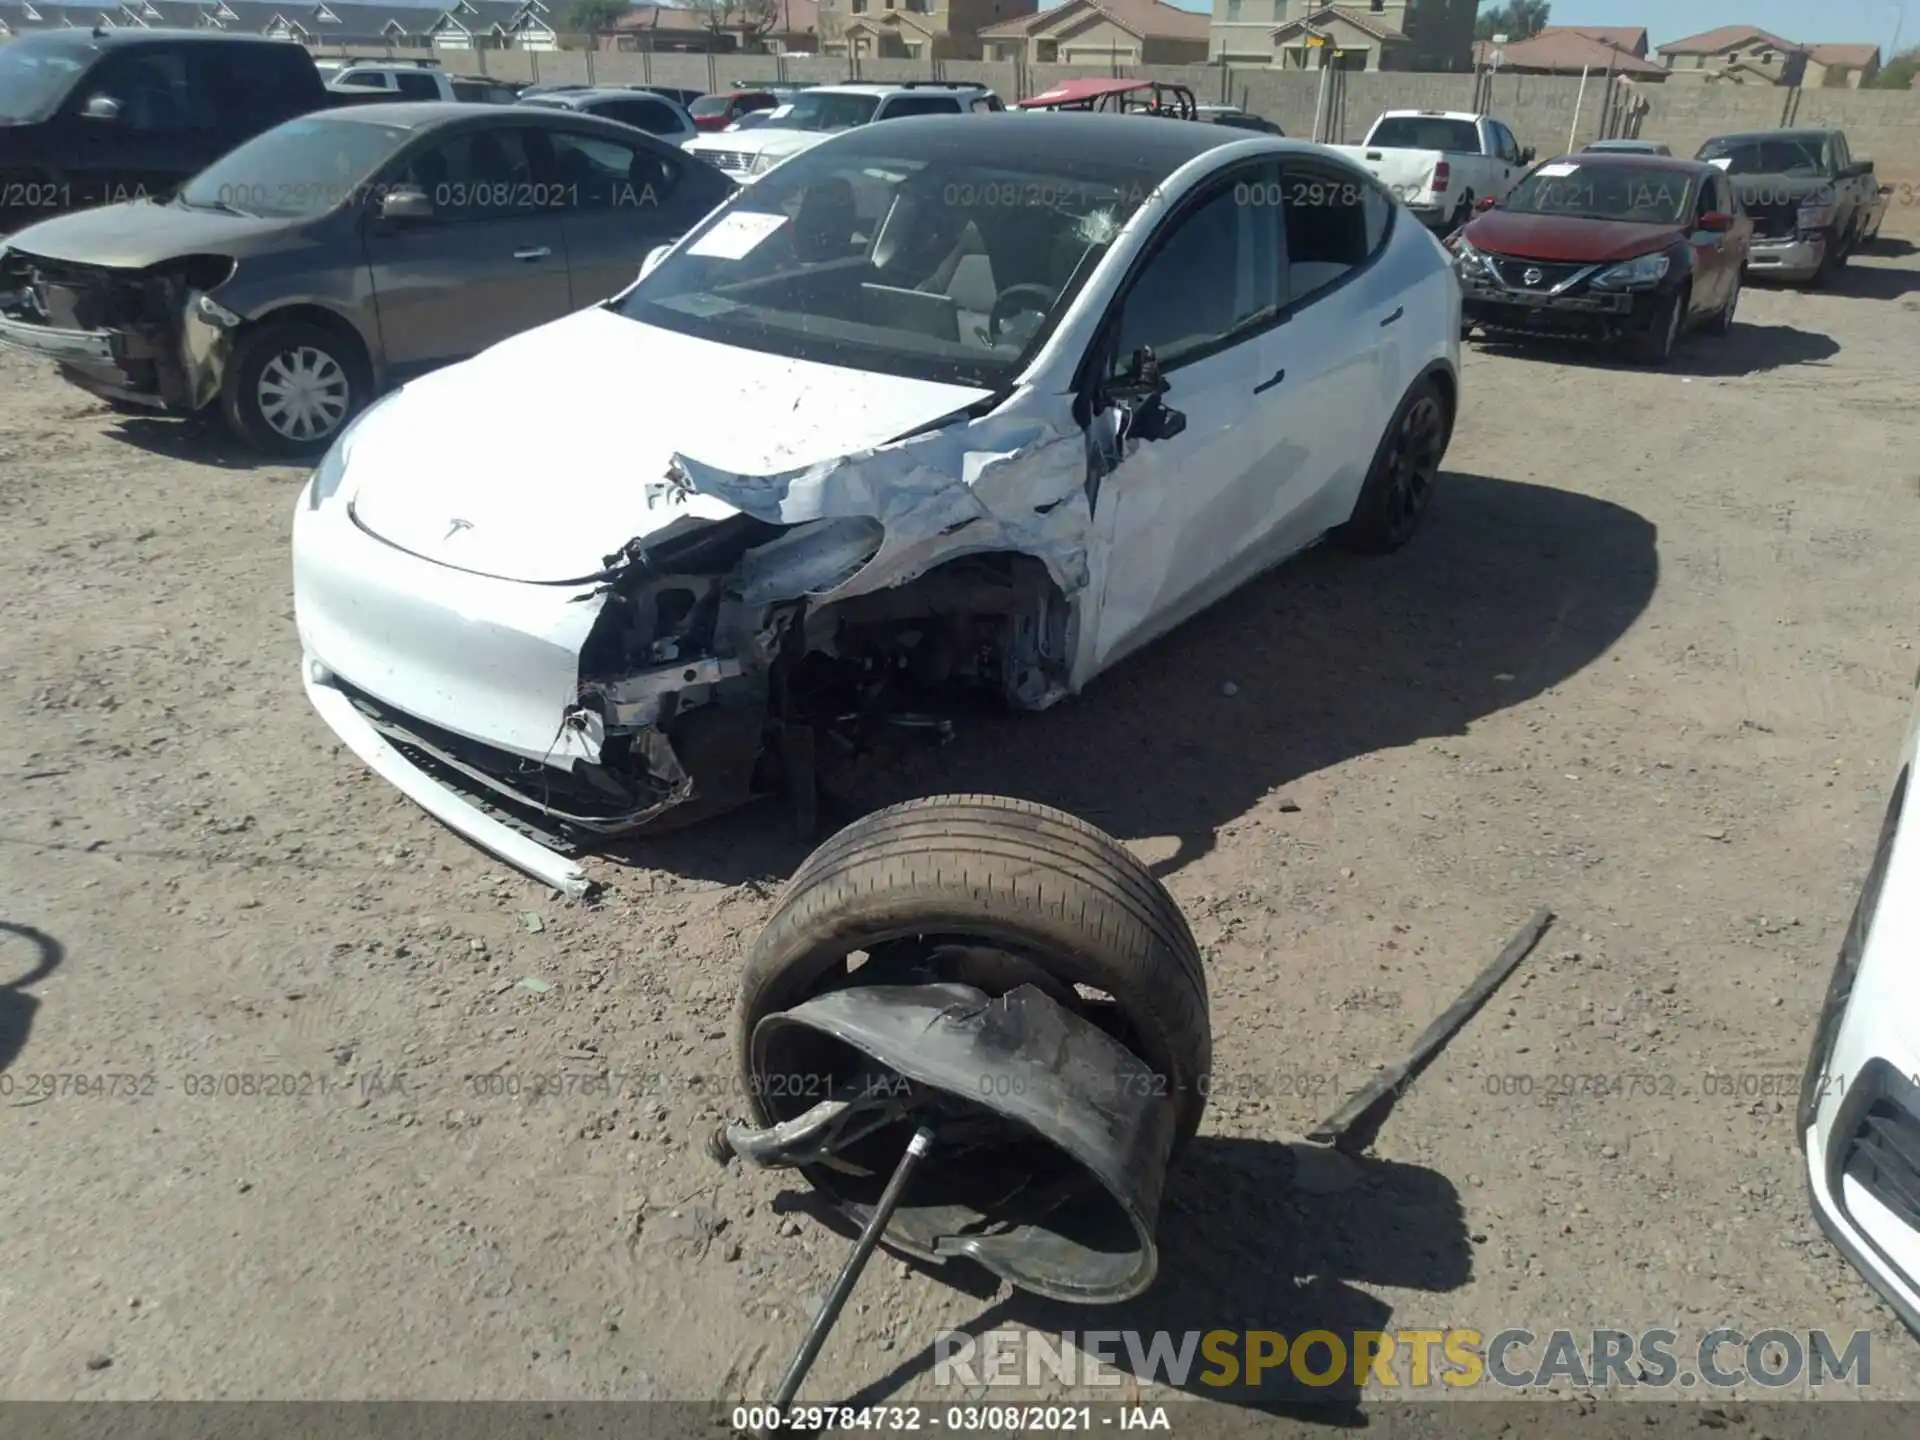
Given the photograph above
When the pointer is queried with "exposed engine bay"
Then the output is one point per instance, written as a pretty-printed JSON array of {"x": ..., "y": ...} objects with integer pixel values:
[
  {"x": 742, "y": 657},
  {"x": 122, "y": 334}
]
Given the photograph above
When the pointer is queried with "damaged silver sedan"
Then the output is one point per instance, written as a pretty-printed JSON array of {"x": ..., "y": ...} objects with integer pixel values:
[{"x": 943, "y": 410}]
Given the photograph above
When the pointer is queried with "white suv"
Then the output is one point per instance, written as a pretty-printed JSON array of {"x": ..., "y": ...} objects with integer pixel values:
[
  {"x": 409, "y": 82},
  {"x": 822, "y": 110}
]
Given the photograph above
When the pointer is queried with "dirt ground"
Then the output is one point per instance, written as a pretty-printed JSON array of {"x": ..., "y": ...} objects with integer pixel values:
[{"x": 1648, "y": 665}]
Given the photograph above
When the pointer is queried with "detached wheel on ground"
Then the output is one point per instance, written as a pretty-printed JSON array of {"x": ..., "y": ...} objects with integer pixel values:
[
  {"x": 1662, "y": 338},
  {"x": 994, "y": 893},
  {"x": 1405, "y": 468},
  {"x": 291, "y": 387}
]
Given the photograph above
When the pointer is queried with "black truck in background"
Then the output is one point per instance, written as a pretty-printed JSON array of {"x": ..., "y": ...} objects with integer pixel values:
[
  {"x": 91, "y": 117},
  {"x": 1814, "y": 203}
]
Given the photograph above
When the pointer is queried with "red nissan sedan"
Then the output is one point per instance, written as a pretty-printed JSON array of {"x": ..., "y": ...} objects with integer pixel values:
[{"x": 1631, "y": 249}]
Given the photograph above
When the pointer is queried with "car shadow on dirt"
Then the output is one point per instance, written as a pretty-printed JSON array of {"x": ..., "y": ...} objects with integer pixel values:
[
  {"x": 1252, "y": 1240},
  {"x": 17, "y": 1007},
  {"x": 196, "y": 439},
  {"x": 1509, "y": 589},
  {"x": 1749, "y": 350}
]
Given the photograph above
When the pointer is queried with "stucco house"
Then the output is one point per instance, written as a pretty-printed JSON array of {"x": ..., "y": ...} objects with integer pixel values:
[
  {"x": 912, "y": 29},
  {"x": 1565, "y": 52},
  {"x": 1748, "y": 55},
  {"x": 1101, "y": 32},
  {"x": 1362, "y": 35}
]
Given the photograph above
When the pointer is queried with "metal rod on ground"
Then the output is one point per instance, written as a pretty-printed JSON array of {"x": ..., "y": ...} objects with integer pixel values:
[
  {"x": 850, "y": 1273},
  {"x": 1341, "y": 1128}
]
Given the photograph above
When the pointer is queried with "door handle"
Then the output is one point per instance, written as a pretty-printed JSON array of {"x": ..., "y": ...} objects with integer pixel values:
[
  {"x": 1393, "y": 317},
  {"x": 1271, "y": 381},
  {"x": 533, "y": 252}
]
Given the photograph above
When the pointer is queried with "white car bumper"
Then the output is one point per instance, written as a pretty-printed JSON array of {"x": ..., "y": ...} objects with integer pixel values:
[
  {"x": 1859, "y": 1113},
  {"x": 494, "y": 662}
]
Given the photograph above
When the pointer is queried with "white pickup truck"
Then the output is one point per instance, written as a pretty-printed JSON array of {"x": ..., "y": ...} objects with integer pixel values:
[{"x": 1439, "y": 163}]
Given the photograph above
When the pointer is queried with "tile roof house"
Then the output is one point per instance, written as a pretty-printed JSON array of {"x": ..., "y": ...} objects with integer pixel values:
[
  {"x": 1101, "y": 32},
  {"x": 1630, "y": 38},
  {"x": 790, "y": 26},
  {"x": 1565, "y": 53},
  {"x": 1748, "y": 55},
  {"x": 1355, "y": 35},
  {"x": 521, "y": 24},
  {"x": 935, "y": 29}
]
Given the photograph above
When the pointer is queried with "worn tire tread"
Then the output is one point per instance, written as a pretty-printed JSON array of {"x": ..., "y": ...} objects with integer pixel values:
[{"x": 1026, "y": 869}]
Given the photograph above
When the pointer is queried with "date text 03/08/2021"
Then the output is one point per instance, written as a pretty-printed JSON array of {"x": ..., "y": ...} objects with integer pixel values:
[{"x": 949, "y": 1419}]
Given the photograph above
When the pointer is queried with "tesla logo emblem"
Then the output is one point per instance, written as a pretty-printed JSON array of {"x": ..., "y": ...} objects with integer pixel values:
[
  {"x": 455, "y": 527},
  {"x": 1533, "y": 277}
]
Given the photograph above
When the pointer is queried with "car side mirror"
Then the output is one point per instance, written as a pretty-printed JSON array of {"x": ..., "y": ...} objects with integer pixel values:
[
  {"x": 101, "y": 107},
  {"x": 1717, "y": 221},
  {"x": 406, "y": 202},
  {"x": 652, "y": 262},
  {"x": 1526, "y": 155},
  {"x": 1140, "y": 393},
  {"x": 1863, "y": 167},
  {"x": 1485, "y": 203}
]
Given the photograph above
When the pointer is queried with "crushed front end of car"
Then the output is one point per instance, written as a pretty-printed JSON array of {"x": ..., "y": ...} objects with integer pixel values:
[
  {"x": 152, "y": 337},
  {"x": 766, "y": 629}
]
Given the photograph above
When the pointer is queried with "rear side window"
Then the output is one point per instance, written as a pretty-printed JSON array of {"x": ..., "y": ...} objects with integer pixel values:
[
  {"x": 419, "y": 87},
  {"x": 251, "y": 89},
  {"x": 366, "y": 80},
  {"x": 903, "y": 105},
  {"x": 648, "y": 115},
  {"x": 599, "y": 173},
  {"x": 1326, "y": 226}
]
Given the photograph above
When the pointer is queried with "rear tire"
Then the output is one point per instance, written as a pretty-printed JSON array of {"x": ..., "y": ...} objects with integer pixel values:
[
  {"x": 1051, "y": 891},
  {"x": 291, "y": 387},
  {"x": 1400, "y": 482}
]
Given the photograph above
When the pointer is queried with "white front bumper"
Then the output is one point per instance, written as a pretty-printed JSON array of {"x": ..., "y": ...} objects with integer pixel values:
[
  {"x": 1860, "y": 1104},
  {"x": 493, "y": 660}
]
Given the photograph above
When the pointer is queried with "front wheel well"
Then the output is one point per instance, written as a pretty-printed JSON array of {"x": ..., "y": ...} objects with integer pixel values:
[{"x": 323, "y": 319}]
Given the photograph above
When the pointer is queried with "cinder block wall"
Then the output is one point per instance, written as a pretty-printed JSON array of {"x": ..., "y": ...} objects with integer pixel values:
[{"x": 1545, "y": 111}]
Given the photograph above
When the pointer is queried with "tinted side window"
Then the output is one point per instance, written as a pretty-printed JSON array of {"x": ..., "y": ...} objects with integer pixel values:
[
  {"x": 902, "y": 105},
  {"x": 418, "y": 87},
  {"x": 1217, "y": 272},
  {"x": 249, "y": 91},
  {"x": 1379, "y": 211},
  {"x": 477, "y": 175},
  {"x": 648, "y": 115},
  {"x": 154, "y": 90},
  {"x": 1842, "y": 156},
  {"x": 596, "y": 173},
  {"x": 367, "y": 79},
  {"x": 1326, "y": 226}
]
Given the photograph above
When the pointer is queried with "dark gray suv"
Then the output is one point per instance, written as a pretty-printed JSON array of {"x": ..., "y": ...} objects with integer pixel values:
[{"x": 341, "y": 253}]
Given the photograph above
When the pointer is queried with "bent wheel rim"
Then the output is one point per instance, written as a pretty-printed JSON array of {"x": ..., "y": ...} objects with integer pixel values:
[
  {"x": 302, "y": 394},
  {"x": 1413, "y": 462}
]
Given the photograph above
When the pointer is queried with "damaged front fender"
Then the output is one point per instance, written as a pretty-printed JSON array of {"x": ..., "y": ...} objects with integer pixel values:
[{"x": 1003, "y": 485}]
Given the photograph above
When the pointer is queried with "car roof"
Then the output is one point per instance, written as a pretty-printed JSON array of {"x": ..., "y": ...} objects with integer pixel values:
[
  {"x": 916, "y": 87},
  {"x": 425, "y": 114},
  {"x": 1151, "y": 146},
  {"x": 1798, "y": 132},
  {"x": 1637, "y": 160},
  {"x": 104, "y": 39}
]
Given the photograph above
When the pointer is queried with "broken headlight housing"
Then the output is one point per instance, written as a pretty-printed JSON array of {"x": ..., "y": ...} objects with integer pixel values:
[
  {"x": 1641, "y": 273},
  {"x": 332, "y": 468},
  {"x": 1467, "y": 261}
]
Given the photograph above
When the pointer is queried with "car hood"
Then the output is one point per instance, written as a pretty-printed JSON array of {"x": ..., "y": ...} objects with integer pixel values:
[
  {"x": 136, "y": 234},
  {"x": 760, "y": 140},
  {"x": 1557, "y": 237},
  {"x": 535, "y": 460}
]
